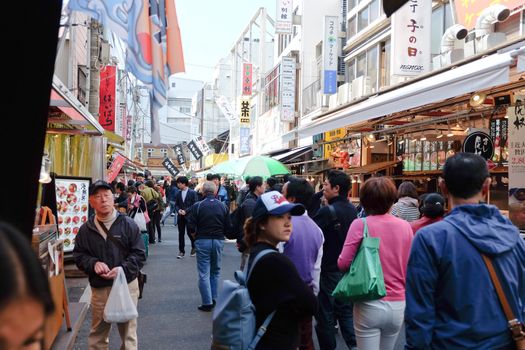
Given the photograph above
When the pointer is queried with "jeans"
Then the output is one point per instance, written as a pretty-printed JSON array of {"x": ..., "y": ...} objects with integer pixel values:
[
  {"x": 377, "y": 323},
  {"x": 209, "y": 255},
  {"x": 332, "y": 310}
]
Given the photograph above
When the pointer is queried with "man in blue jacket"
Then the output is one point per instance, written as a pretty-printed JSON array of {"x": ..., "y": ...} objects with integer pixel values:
[{"x": 451, "y": 301}]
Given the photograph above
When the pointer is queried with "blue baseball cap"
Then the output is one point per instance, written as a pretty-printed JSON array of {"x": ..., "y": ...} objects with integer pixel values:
[{"x": 274, "y": 203}]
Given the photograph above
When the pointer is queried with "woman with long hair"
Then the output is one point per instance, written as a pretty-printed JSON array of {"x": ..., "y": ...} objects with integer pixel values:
[
  {"x": 274, "y": 283},
  {"x": 377, "y": 323}
]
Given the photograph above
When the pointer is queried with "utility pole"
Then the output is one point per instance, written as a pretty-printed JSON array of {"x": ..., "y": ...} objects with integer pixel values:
[{"x": 94, "y": 76}]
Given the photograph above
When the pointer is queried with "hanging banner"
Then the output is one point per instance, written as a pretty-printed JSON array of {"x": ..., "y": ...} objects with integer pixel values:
[
  {"x": 284, "y": 17},
  {"x": 115, "y": 167},
  {"x": 411, "y": 38},
  {"x": 168, "y": 164},
  {"x": 72, "y": 207},
  {"x": 244, "y": 112},
  {"x": 194, "y": 149},
  {"x": 480, "y": 143},
  {"x": 199, "y": 140},
  {"x": 179, "y": 153},
  {"x": 330, "y": 53},
  {"x": 516, "y": 138},
  {"x": 106, "y": 110},
  {"x": 247, "y": 79},
  {"x": 226, "y": 108},
  {"x": 287, "y": 89}
]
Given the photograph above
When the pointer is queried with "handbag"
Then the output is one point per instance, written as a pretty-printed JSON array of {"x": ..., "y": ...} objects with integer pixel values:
[
  {"x": 515, "y": 326},
  {"x": 142, "y": 278},
  {"x": 152, "y": 205},
  {"x": 364, "y": 281},
  {"x": 140, "y": 220}
]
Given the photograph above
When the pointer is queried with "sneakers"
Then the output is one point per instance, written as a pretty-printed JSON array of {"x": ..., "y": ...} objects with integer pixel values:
[
  {"x": 180, "y": 256},
  {"x": 206, "y": 308},
  {"x": 193, "y": 252}
]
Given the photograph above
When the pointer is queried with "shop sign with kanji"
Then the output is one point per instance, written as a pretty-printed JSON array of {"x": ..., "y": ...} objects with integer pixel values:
[
  {"x": 247, "y": 79},
  {"x": 330, "y": 54},
  {"x": 179, "y": 153},
  {"x": 244, "y": 111},
  {"x": 168, "y": 164},
  {"x": 284, "y": 17},
  {"x": 411, "y": 38}
]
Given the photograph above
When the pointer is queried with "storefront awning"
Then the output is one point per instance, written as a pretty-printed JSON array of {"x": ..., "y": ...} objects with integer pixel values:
[
  {"x": 372, "y": 168},
  {"x": 62, "y": 98},
  {"x": 478, "y": 75},
  {"x": 292, "y": 154}
]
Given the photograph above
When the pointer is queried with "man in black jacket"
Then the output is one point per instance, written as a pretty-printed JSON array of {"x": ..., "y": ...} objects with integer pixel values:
[
  {"x": 183, "y": 200},
  {"x": 334, "y": 220},
  {"x": 208, "y": 223},
  {"x": 100, "y": 257}
]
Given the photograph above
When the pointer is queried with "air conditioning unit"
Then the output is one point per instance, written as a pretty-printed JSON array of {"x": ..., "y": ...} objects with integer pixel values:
[
  {"x": 332, "y": 101},
  {"x": 343, "y": 95},
  {"x": 361, "y": 86},
  {"x": 484, "y": 43},
  {"x": 104, "y": 52}
]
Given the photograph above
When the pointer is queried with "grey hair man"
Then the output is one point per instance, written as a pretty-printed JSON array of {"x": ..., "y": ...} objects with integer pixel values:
[{"x": 208, "y": 223}]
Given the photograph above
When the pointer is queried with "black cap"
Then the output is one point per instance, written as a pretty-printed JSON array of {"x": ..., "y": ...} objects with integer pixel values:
[
  {"x": 95, "y": 186},
  {"x": 433, "y": 205}
]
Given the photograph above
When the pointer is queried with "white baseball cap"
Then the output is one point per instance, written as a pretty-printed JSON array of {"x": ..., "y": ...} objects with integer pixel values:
[{"x": 274, "y": 203}]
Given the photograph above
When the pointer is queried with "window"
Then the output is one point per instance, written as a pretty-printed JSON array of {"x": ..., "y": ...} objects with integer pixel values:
[
  {"x": 361, "y": 65},
  {"x": 385, "y": 63},
  {"x": 352, "y": 30},
  {"x": 164, "y": 152},
  {"x": 441, "y": 20},
  {"x": 362, "y": 19},
  {"x": 366, "y": 16},
  {"x": 271, "y": 89},
  {"x": 374, "y": 10},
  {"x": 350, "y": 71},
  {"x": 373, "y": 63},
  {"x": 186, "y": 110},
  {"x": 150, "y": 152},
  {"x": 371, "y": 67}
]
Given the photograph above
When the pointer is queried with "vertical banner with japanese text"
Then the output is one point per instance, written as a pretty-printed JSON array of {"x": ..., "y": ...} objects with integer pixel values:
[
  {"x": 106, "y": 111},
  {"x": 330, "y": 53},
  {"x": 288, "y": 89},
  {"x": 247, "y": 79},
  {"x": 194, "y": 149},
  {"x": 284, "y": 17},
  {"x": 244, "y": 119},
  {"x": 516, "y": 130},
  {"x": 168, "y": 164},
  {"x": 411, "y": 38},
  {"x": 179, "y": 153},
  {"x": 115, "y": 167}
]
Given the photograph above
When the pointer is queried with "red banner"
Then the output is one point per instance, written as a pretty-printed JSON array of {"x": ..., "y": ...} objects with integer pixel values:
[
  {"x": 247, "y": 79},
  {"x": 115, "y": 167},
  {"x": 106, "y": 111}
]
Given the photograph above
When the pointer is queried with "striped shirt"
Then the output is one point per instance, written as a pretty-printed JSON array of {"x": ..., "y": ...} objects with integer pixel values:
[{"x": 406, "y": 208}]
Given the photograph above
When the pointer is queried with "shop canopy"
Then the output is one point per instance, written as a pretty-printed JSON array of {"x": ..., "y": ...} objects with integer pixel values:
[
  {"x": 481, "y": 74},
  {"x": 372, "y": 168},
  {"x": 66, "y": 102},
  {"x": 292, "y": 154}
]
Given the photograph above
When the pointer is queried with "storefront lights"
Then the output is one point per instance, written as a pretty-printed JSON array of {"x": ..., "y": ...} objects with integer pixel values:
[{"x": 450, "y": 133}]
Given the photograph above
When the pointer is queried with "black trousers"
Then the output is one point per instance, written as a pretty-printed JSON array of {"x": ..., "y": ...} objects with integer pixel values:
[
  {"x": 151, "y": 227},
  {"x": 182, "y": 225},
  {"x": 157, "y": 215}
]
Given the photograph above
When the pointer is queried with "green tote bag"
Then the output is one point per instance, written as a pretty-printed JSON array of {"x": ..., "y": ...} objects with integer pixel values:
[{"x": 364, "y": 281}]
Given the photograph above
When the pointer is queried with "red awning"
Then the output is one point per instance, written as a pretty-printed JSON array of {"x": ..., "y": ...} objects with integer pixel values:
[{"x": 59, "y": 102}]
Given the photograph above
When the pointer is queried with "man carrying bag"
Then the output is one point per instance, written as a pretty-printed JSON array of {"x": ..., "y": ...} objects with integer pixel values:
[{"x": 98, "y": 253}]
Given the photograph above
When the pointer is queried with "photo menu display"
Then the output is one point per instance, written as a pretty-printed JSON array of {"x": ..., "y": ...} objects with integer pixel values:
[
  {"x": 426, "y": 155},
  {"x": 72, "y": 208}
]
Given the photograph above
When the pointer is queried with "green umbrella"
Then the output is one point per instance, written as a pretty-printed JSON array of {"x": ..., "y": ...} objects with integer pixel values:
[
  {"x": 264, "y": 166},
  {"x": 251, "y": 166}
]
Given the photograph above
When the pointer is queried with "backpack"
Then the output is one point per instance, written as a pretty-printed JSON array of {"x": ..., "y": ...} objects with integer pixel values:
[
  {"x": 237, "y": 223},
  {"x": 234, "y": 315}
]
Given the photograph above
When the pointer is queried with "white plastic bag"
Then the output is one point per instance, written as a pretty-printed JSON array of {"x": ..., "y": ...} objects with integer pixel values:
[
  {"x": 140, "y": 220},
  {"x": 120, "y": 307}
]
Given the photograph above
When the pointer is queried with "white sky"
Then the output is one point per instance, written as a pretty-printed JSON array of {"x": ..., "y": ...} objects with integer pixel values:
[{"x": 209, "y": 29}]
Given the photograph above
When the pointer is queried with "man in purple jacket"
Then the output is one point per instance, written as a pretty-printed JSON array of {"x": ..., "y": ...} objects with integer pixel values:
[{"x": 305, "y": 247}]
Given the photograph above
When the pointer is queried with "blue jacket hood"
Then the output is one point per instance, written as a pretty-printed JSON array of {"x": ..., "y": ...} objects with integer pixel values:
[{"x": 484, "y": 227}]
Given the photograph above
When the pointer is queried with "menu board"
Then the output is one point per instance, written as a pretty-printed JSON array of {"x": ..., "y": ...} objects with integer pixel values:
[{"x": 72, "y": 207}]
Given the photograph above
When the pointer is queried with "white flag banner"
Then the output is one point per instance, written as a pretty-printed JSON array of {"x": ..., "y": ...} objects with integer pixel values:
[
  {"x": 411, "y": 38},
  {"x": 226, "y": 108}
]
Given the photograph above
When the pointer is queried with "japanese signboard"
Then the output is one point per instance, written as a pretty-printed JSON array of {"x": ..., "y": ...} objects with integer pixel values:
[
  {"x": 244, "y": 111},
  {"x": 199, "y": 140},
  {"x": 168, "y": 164},
  {"x": 72, "y": 207},
  {"x": 330, "y": 52},
  {"x": 287, "y": 89},
  {"x": 247, "y": 77},
  {"x": 226, "y": 108},
  {"x": 179, "y": 153},
  {"x": 115, "y": 167},
  {"x": 284, "y": 17},
  {"x": 107, "y": 107},
  {"x": 467, "y": 12},
  {"x": 194, "y": 149},
  {"x": 516, "y": 129},
  {"x": 480, "y": 143},
  {"x": 411, "y": 34},
  {"x": 244, "y": 147}
]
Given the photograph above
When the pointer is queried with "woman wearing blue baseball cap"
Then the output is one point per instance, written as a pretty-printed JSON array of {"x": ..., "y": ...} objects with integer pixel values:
[{"x": 274, "y": 284}]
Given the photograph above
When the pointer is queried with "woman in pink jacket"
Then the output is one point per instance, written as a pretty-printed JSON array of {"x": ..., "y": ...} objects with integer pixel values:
[{"x": 377, "y": 323}]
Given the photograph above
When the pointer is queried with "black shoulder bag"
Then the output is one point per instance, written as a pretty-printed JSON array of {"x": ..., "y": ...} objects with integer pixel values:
[
  {"x": 336, "y": 223},
  {"x": 142, "y": 277}
]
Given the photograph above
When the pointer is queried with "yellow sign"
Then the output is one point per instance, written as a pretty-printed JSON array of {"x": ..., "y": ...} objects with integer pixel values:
[
  {"x": 332, "y": 135},
  {"x": 244, "y": 111}
]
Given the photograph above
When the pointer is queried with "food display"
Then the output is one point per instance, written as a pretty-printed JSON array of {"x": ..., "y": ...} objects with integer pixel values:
[{"x": 72, "y": 208}]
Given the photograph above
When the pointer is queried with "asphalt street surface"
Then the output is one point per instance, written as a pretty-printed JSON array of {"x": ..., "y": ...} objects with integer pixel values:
[{"x": 168, "y": 315}]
